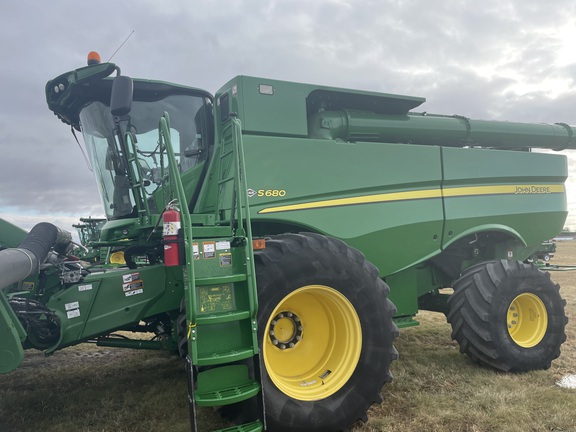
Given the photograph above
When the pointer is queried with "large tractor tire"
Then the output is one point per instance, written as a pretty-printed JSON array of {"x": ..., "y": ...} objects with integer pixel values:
[
  {"x": 508, "y": 315},
  {"x": 326, "y": 333}
]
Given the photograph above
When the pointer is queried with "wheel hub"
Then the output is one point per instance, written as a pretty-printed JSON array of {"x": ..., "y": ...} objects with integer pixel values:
[
  {"x": 313, "y": 366},
  {"x": 527, "y": 320},
  {"x": 286, "y": 330}
]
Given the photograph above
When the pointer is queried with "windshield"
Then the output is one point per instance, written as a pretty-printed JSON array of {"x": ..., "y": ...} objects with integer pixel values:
[{"x": 190, "y": 124}]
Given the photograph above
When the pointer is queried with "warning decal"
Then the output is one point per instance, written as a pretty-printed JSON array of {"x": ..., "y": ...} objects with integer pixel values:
[
  {"x": 133, "y": 288},
  {"x": 225, "y": 259},
  {"x": 132, "y": 284},
  {"x": 222, "y": 245},
  {"x": 72, "y": 309},
  {"x": 216, "y": 299},
  {"x": 130, "y": 277},
  {"x": 28, "y": 286},
  {"x": 209, "y": 249}
]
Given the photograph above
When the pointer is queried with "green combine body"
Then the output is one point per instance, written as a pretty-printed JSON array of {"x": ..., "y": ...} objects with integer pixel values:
[
  {"x": 276, "y": 236},
  {"x": 11, "y": 235}
]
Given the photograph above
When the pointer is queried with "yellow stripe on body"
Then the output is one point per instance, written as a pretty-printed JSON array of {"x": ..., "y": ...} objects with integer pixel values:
[
  {"x": 530, "y": 189},
  {"x": 366, "y": 199}
]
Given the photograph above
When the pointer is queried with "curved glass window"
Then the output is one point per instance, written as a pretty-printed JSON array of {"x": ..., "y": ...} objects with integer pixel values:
[{"x": 191, "y": 131}]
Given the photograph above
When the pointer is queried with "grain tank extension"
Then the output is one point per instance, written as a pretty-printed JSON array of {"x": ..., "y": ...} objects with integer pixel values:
[{"x": 276, "y": 235}]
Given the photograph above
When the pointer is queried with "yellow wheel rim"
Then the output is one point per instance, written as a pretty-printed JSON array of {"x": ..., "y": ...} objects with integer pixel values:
[
  {"x": 527, "y": 320},
  {"x": 312, "y": 343}
]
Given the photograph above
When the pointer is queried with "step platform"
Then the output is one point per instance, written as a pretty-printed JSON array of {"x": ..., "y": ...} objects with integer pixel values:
[{"x": 225, "y": 385}]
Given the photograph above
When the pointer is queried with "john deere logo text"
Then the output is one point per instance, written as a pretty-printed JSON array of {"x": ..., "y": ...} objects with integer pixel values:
[{"x": 532, "y": 190}]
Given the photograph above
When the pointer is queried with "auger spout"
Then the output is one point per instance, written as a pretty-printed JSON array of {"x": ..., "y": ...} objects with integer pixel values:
[{"x": 442, "y": 130}]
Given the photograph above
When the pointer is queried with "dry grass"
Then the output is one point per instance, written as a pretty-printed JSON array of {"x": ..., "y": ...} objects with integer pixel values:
[
  {"x": 87, "y": 388},
  {"x": 438, "y": 389}
]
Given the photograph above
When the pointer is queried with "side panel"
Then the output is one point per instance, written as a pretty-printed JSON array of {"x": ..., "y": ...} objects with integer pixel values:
[
  {"x": 272, "y": 107},
  {"x": 112, "y": 299},
  {"x": 11, "y": 334},
  {"x": 10, "y": 235},
  {"x": 389, "y": 200},
  {"x": 520, "y": 190},
  {"x": 375, "y": 197}
]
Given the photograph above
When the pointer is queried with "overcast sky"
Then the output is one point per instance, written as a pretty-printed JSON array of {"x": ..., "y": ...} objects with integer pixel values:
[{"x": 496, "y": 59}]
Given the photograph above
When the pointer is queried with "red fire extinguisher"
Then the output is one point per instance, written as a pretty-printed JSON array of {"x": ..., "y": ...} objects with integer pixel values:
[{"x": 171, "y": 220}]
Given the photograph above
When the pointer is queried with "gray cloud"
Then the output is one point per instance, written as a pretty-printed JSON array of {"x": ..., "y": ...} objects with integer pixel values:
[{"x": 499, "y": 60}]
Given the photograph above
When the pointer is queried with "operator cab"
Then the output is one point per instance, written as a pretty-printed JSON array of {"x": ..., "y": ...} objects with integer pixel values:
[
  {"x": 123, "y": 145},
  {"x": 192, "y": 136}
]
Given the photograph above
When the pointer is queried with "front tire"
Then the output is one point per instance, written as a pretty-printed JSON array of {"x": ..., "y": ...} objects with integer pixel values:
[
  {"x": 326, "y": 333},
  {"x": 508, "y": 315}
]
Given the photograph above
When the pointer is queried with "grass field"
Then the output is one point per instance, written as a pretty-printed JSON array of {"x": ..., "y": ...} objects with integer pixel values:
[{"x": 436, "y": 388}]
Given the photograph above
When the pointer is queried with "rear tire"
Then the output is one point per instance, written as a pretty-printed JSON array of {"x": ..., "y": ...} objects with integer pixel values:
[
  {"x": 326, "y": 333},
  {"x": 508, "y": 315}
]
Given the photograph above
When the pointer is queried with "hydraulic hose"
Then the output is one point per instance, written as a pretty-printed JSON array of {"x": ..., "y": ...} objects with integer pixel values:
[{"x": 18, "y": 263}]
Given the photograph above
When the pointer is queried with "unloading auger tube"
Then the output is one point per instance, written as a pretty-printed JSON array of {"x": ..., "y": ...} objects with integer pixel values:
[
  {"x": 18, "y": 263},
  {"x": 434, "y": 129}
]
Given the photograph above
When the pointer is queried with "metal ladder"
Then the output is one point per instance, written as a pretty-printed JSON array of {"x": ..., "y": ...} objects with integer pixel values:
[{"x": 220, "y": 289}]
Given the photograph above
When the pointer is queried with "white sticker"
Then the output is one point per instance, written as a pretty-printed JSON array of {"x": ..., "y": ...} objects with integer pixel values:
[
  {"x": 222, "y": 245},
  {"x": 131, "y": 293},
  {"x": 171, "y": 228},
  {"x": 225, "y": 259},
  {"x": 85, "y": 287},
  {"x": 73, "y": 305},
  {"x": 209, "y": 249},
  {"x": 195, "y": 251},
  {"x": 130, "y": 277},
  {"x": 133, "y": 285},
  {"x": 73, "y": 313}
]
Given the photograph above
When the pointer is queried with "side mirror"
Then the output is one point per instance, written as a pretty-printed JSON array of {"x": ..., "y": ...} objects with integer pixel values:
[{"x": 121, "y": 97}]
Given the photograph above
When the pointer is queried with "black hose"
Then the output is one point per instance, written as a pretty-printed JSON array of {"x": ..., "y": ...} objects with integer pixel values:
[
  {"x": 42, "y": 325},
  {"x": 40, "y": 240}
]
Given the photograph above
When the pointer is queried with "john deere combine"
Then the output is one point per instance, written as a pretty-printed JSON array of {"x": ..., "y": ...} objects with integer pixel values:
[{"x": 277, "y": 235}]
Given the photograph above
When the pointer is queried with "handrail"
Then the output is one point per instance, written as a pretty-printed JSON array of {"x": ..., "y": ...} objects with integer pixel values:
[
  {"x": 136, "y": 174},
  {"x": 165, "y": 141},
  {"x": 240, "y": 214},
  {"x": 241, "y": 186}
]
